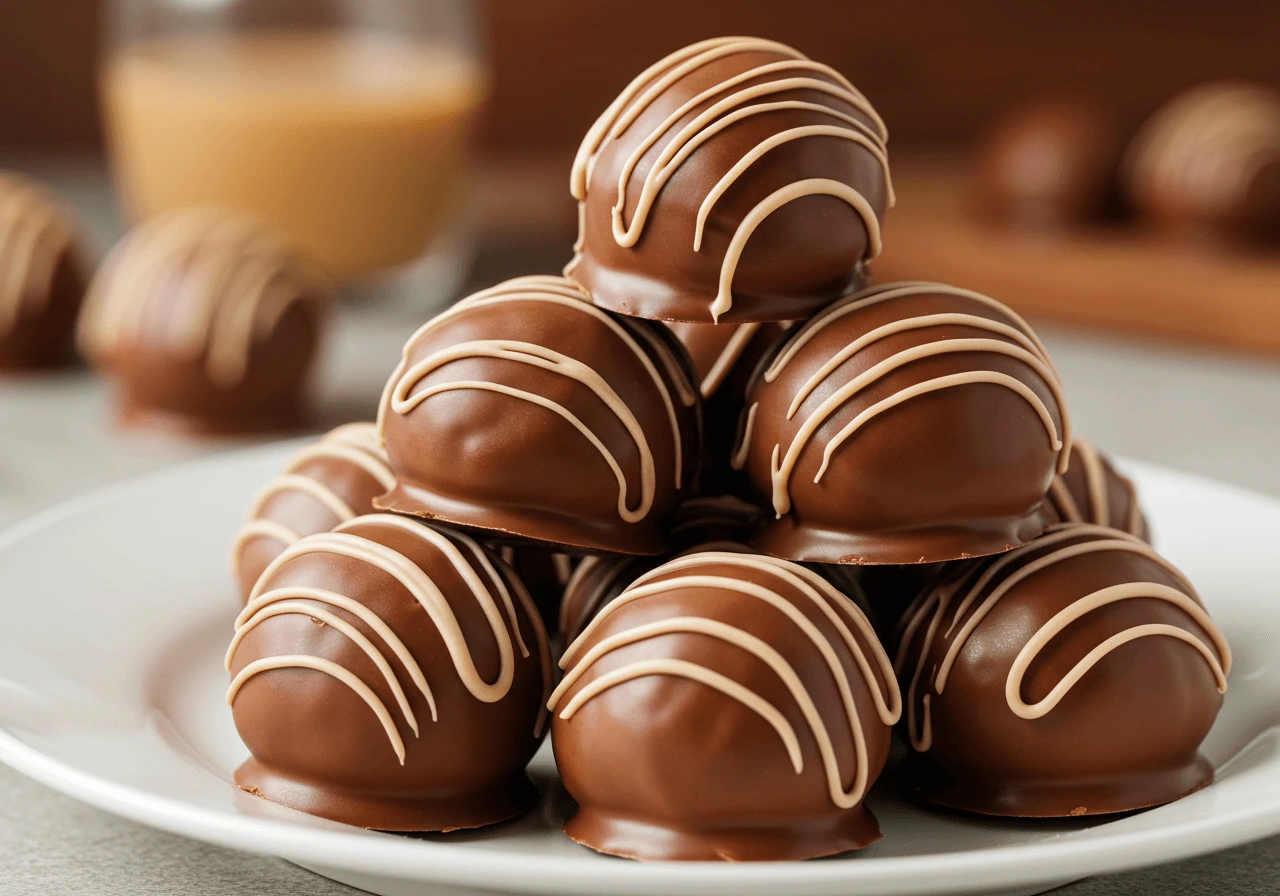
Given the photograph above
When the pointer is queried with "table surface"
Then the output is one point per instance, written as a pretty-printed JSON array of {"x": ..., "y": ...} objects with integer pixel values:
[{"x": 1200, "y": 410}]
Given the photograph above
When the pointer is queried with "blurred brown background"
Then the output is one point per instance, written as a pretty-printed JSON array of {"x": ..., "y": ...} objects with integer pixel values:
[{"x": 938, "y": 70}]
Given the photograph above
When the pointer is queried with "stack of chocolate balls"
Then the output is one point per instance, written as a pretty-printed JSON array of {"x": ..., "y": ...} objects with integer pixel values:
[{"x": 765, "y": 546}]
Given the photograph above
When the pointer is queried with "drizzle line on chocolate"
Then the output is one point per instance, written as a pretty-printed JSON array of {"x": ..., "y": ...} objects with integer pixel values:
[
  {"x": 400, "y": 398},
  {"x": 935, "y": 606},
  {"x": 1025, "y": 347},
  {"x": 33, "y": 235},
  {"x": 642, "y": 92},
  {"x": 816, "y": 589}
]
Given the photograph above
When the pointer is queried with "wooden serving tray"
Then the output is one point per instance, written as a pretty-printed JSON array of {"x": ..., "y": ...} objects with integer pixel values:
[{"x": 1119, "y": 277}]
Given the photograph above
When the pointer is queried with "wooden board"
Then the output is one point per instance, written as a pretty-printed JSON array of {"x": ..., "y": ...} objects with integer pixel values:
[{"x": 1118, "y": 277}]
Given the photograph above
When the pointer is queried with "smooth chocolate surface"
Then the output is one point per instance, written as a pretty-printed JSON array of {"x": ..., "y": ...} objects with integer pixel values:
[
  {"x": 322, "y": 486},
  {"x": 906, "y": 423},
  {"x": 1048, "y": 164},
  {"x": 1092, "y": 491},
  {"x": 734, "y": 180},
  {"x": 206, "y": 323},
  {"x": 44, "y": 267},
  {"x": 726, "y": 706},
  {"x": 390, "y": 675},
  {"x": 1076, "y": 675},
  {"x": 527, "y": 412}
]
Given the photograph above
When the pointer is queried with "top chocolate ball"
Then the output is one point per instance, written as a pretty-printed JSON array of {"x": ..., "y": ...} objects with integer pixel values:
[{"x": 734, "y": 180}]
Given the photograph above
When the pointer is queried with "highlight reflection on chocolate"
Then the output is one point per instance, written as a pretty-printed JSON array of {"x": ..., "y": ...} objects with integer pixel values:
[
  {"x": 726, "y": 706},
  {"x": 1076, "y": 675},
  {"x": 734, "y": 180}
]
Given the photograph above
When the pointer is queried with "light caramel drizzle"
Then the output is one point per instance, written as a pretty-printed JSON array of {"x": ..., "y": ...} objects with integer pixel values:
[
  {"x": 1097, "y": 489},
  {"x": 734, "y": 94},
  {"x": 263, "y": 604},
  {"x": 353, "y": 443},
  {"x": 560, "y": 291},
  {"x": 238, "y": 281},
  {"x": 834, "y": 605},
  {"x": 1023, "y": 346},
  {"x": 738, "y": 459},
  {"x": 727, "y": 358},
  {"x": 936, "y": 605},
  {"x": 34, "y": 234}
]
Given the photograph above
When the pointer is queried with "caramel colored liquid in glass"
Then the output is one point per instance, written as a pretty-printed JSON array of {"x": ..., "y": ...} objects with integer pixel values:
[{"x": 352, "y": 144}]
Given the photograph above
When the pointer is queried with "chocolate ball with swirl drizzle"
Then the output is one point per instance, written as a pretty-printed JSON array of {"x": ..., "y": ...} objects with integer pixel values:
[
  {"x": 907, "y": 423},
  {"x": 526, "y": 411},
  {"x": 390, "y": 675},
  {"x": 44, "y": 267},
  {"x": 726, "y": 706},
  {"x": 1075, "y": 675},
  {"x": 206, "y": 322},
  {"x": 1092, "y": 491},
  {"x": 322, "y": 486},
  {"x": 734, "y": 180}
]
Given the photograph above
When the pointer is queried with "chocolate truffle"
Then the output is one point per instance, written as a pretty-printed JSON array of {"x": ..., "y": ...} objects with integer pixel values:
[
  {"x": 206, "y": 322},
  {"x": 391, "y": 675},
  {"x": 1076, "y": 675},
  {"x": 526, "y": 411},
  {"x": 726, "y": 706},
  {"x": 1208, "y": 162},
  {"x": 1048, "y": 164},
  {"x": 699, "y": 521},
  {"x": 734, "y": 180},
  {"x": 545, "y": 572},
  {"x": 723, "y": 357},
  {"x": 321, "y": 486},
  {"x": 1091, "y": 491},
  {"x": 44, "y": 267},
  {"x": 907, "y": 423}
]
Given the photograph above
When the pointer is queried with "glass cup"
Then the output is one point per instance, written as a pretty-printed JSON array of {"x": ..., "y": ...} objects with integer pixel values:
[{"x": 347, "y": 124}]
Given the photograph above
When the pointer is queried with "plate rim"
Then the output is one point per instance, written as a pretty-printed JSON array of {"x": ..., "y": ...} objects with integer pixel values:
[{"x": 456, "y": 864}]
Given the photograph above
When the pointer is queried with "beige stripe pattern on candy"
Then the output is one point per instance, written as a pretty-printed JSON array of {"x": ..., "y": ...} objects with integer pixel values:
[
  {"x": 34, "y": 233},
  {"x": 923, "y": 622},
  {"x": 752, "y": 92},
  {"x": 463, "y": 554},
  {"x": 691, "y": 572}
]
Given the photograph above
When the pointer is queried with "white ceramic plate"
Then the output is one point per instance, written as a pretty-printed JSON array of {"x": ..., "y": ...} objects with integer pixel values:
[{"x": 117, "y": 608}]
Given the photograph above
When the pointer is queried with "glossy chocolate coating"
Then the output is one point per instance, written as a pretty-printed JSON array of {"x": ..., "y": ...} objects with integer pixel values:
[
  {"x": 528, "y": 412},
  {"x": 1125, "y": 733},
  {"x": 1207, "y": 164},
  {"x": 699, "y": 521},
  {"x": 680, "y": 760},
  {"x": 723, "y": 357},
  {"x": 206, "y": 323},
  {"x": 320, "y": 747},
  {"x": 907, "y": 423},
  {"x": 692, "y": 115},
  {"x": 1091, "y": 491},
  {"x": 44, "y": 267},
  {"x": 1048, "y": 164},
  {"x": 322, "y": 486}
]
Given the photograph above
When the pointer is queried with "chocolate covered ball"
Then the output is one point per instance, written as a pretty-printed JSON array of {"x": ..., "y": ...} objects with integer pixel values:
[
  {"x": 734, "y": 180},
  {"x": 1076, "y": 675},
  {"x": 726, "y": 706},
  {"x": 1051, "y": 163},
  {"x": 907, "y": 423},
  {"x": 206, "y": 322},
  {"x": 44, "y": 266},
  {"x": 322, "y": 486},
  {"x": 526, "y": 411},
  {"x": 390, "y": 675},
  {"x": 1208, "y": 162},
  {"x": 1091, "y": 491},
  {"x": 699, "y": 521}
]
